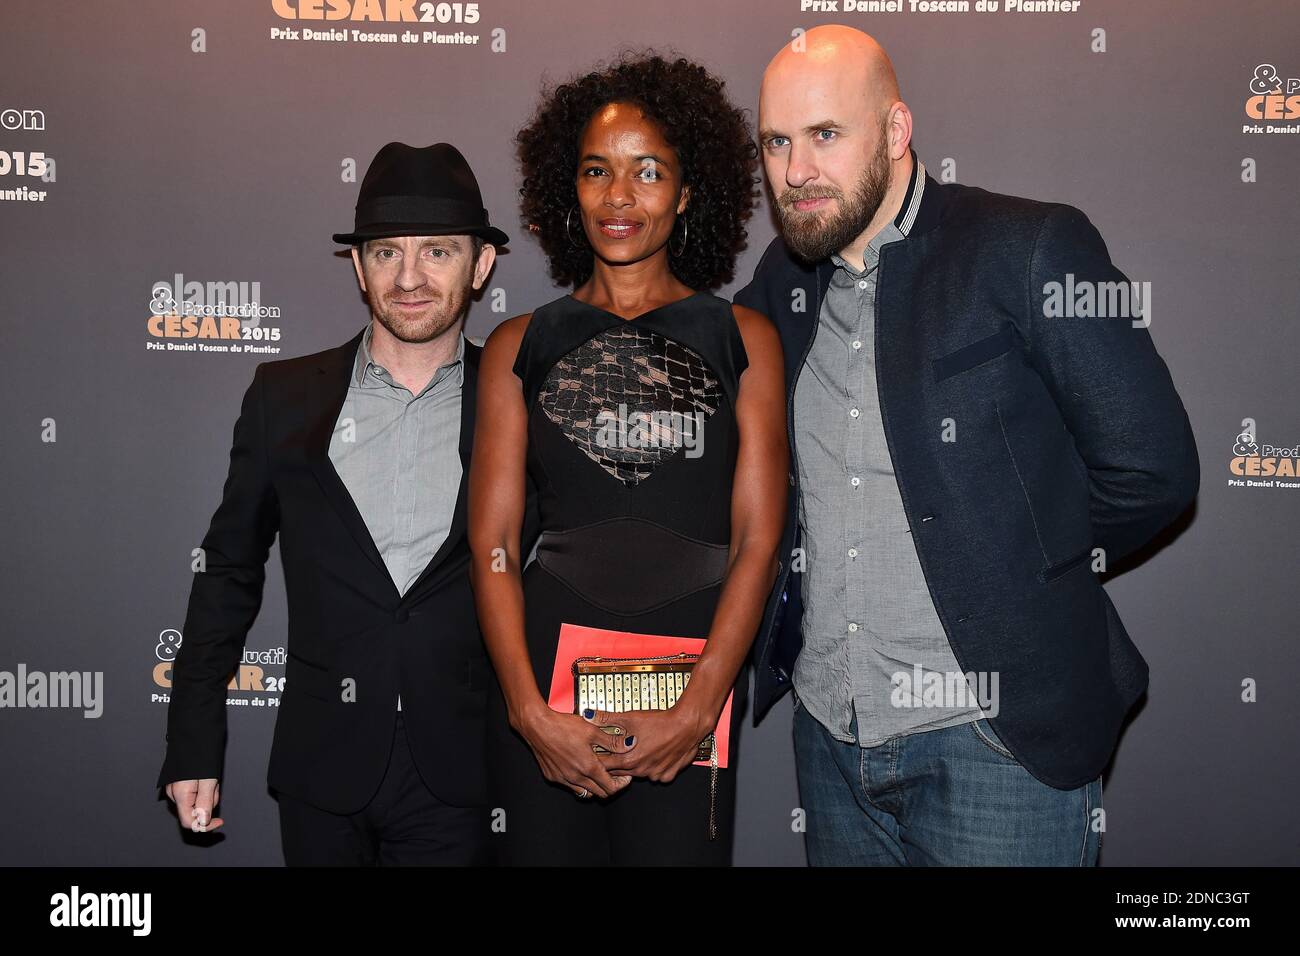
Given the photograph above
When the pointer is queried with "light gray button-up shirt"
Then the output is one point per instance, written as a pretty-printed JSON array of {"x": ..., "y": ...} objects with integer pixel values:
[
  {"x": 868, "y": 615},
  {"x": 399, "y": 456}
]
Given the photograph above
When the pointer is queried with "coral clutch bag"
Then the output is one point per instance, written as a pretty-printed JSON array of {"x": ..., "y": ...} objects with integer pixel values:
[{"x": 618, "y": 671}]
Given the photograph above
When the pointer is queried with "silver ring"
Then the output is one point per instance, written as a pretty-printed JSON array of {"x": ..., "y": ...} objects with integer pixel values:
[{"x": 584, "y": 793}]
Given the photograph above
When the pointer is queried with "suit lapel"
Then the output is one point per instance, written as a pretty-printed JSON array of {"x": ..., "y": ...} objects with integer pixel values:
[
  {"x": 825, "y": 270},
  {"x": 333, "y": 374},
  {"x": 814, "y": 282}
]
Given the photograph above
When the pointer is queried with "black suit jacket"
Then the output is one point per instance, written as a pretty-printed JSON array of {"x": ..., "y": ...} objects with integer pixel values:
[
  {"x": 349, "y": 628},
  {"x": 1069, "y": 434}
]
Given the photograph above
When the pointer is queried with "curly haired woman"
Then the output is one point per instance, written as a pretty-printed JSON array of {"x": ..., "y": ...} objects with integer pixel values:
[{"x": 638, "y": 180}]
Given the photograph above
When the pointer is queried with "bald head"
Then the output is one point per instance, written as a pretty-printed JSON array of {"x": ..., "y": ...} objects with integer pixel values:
[
  {"x": 836, "y": 54},
  {"x": 836, "y": 140}
]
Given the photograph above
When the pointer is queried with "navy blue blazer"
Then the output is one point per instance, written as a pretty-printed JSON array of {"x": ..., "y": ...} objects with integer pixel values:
[{"x": 1070, "y": 436}]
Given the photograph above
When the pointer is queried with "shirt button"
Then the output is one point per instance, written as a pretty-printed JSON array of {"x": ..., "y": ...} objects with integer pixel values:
[
  {"x": 853, "y": 627},
  {"x": 853, "y": 552},
  {"x": 853, "y": 413},
  {"x": 379, "y": 370},
  {"x": 857, "y": 344},
  {"x": 862, "y": 283},
  {"x": 855, "y": 481}
]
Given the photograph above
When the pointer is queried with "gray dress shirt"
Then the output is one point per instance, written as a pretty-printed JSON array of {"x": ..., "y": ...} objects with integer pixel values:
[
  {"x": 868, "y": 615},
  {"x": 399, "y": 456}
]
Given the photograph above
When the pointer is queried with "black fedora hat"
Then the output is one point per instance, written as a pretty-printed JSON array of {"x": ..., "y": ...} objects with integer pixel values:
[{"x": 428, "y": 191}]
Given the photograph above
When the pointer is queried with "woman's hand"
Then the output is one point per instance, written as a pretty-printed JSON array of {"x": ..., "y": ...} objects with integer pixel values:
[
  {"x": 655, "y": 744},
  {"x": 563, "y": 745}
]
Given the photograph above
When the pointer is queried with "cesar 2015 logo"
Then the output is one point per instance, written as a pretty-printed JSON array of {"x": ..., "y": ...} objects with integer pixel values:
[
  {"x": 376, "y": 11},
  {"x": 1252, "y": 459},
  {"x": 250, "y": 674},
  {"x": 1272, "y": 97},
  {"x": 184, "y": 309}
]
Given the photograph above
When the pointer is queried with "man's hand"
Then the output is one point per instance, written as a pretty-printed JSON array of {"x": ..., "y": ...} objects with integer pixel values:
[{"x": 195, "y": 801}]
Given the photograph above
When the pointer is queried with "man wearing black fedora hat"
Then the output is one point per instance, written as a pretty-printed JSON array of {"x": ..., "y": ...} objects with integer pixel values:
[{"x": 357, "y": 457}]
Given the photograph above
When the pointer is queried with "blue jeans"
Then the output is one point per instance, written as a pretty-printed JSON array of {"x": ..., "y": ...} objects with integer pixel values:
[{"x": 948, "y": 797}]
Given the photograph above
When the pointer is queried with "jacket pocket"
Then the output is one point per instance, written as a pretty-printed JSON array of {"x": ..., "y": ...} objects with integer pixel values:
[
  {"x": 310, "y": 678},
  {"x": 977, "y": 353},
  {"x": 1054, "y": 571}
]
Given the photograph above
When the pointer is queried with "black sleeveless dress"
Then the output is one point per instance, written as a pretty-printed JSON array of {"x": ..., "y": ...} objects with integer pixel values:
[{"x": 635, "y": 536}]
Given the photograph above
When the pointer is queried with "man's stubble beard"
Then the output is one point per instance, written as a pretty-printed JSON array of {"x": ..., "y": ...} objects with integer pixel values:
[
  {"x": 443, "y": 314},
  {"x": 813, "y": 239}
]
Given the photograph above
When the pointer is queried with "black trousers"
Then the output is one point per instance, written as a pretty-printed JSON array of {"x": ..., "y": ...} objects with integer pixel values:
[{"x": 404, "y": 824}]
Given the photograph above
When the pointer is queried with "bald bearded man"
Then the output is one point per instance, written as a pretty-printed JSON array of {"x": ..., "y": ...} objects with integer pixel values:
[{"x": 963, "y": 459}]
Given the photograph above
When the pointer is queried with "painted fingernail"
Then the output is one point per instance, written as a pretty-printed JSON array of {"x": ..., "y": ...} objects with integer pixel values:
[
  {"x": 630, "y": 741},
  {"x": 588, "y": 713}
]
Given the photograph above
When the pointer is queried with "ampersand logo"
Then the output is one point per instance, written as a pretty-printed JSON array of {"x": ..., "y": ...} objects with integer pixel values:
[
  {"x": 169, "y": 642},
  {"x": 1266, "y": 79},
  {"x": 162, "y": 302}
]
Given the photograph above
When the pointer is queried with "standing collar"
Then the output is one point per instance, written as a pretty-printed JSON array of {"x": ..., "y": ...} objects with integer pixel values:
[
  {"x": 907, "y": 212},
  {"x": 903, "y": 222}
]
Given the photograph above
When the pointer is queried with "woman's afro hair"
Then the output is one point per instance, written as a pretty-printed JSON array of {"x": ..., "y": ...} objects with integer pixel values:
[{"x": 715, "y": 150}]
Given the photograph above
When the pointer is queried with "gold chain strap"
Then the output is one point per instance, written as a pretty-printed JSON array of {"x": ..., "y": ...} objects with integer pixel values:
[
  {"x": 680, "y": 656},
  {"x": 713, "y": 790}
]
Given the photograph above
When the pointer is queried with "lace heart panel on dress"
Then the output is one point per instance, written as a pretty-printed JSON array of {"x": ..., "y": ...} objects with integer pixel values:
[{"x": 666, "y": 391}]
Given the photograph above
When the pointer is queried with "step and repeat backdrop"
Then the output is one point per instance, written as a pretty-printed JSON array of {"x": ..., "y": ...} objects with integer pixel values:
[{"x": 164, "y": 155}]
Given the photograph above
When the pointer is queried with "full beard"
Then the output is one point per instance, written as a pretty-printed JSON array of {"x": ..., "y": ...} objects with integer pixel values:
[
  {"x": 439, "y": 316},
  {"x": 813, "y": 239}
]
